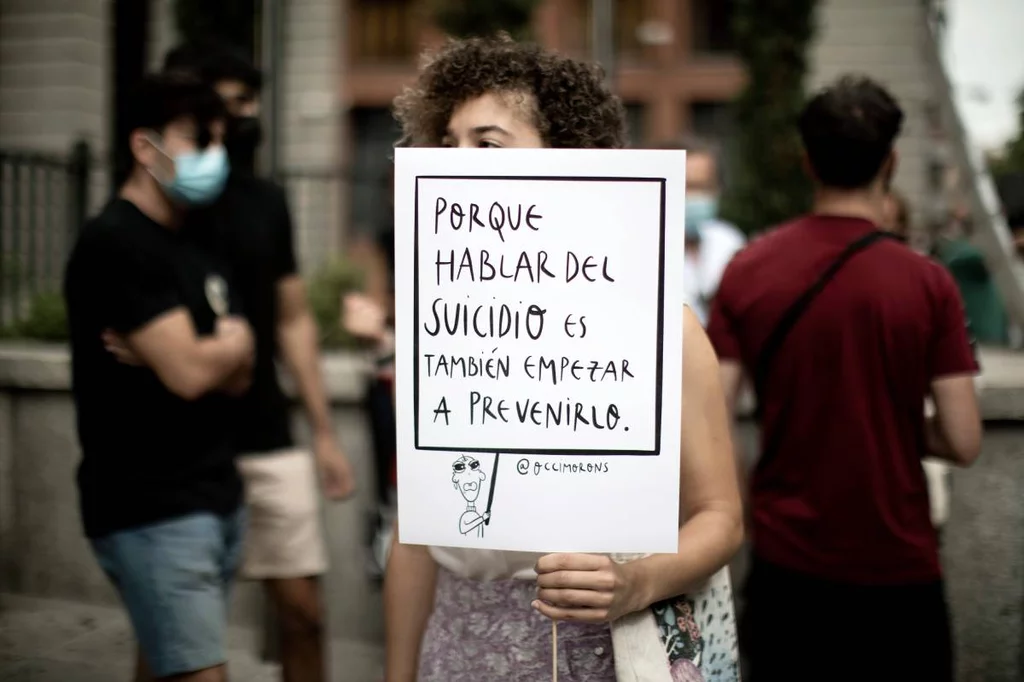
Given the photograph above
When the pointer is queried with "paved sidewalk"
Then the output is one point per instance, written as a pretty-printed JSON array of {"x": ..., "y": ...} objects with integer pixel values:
[{"x": 43, "y": 640}]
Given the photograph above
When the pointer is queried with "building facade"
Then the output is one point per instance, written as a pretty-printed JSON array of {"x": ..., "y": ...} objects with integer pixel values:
[
  {"x": 673, "y": 66},
  {"x": 343, "y": 61}
]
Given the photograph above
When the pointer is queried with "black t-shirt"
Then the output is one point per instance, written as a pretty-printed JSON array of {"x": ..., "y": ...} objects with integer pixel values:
[
  {"x": 147, "y": 455},
  {"x": 250, "y": 228}
]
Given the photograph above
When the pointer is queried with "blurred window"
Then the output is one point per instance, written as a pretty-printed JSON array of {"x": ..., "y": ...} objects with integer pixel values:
[
  {"x": 629, "y": 17},
  {"x": 635, "y": 113},
  {"x": 712, "y": 25},
  {"x": 374, "y": 133},
  {"x": 383, "y": 30}
]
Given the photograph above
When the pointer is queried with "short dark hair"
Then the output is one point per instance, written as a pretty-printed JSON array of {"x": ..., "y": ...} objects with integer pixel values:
[
  {"x": 848, "y": 130},
  {"x": 214, "y": 61},
  {"x": 572, "y": 105},
  {"x": 161, "y": 99}
]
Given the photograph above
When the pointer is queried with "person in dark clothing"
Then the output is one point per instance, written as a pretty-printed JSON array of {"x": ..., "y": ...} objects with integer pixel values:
[
  {"x": 161, "y": 499},
  {"x": 285, "y": 546},
  {"x": 379, "y": 398},
  {"x": 250, "y": 228},
  {"x": 845, "y": 556}
]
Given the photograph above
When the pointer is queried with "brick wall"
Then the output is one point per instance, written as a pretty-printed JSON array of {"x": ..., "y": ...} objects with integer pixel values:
[
  {"x": 55, "y": 87},
  {"x": 54, "y": 73},
  {"x": 885, "y": 40},
  {"x": 162, "y": 34},
  {"x": 311, "y": 125}
]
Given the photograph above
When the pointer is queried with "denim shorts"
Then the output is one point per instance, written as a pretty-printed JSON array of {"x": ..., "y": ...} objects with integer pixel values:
[{"x": 174, "y": 577}]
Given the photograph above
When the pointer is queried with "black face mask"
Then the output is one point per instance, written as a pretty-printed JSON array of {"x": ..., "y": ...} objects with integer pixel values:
[{"x": 243, "y": 137}]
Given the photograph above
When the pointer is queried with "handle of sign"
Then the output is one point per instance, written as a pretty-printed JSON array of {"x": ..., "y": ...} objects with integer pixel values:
[
  {"x": 554, "y": 651},
  {"x": 490, "y": 495}
]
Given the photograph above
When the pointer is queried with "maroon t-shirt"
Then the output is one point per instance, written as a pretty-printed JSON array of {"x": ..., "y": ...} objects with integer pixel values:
[{"x": 845, "y": 497}]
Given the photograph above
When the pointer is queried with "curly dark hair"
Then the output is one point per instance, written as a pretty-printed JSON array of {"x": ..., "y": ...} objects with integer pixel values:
[{"x": 572, "y": 106}]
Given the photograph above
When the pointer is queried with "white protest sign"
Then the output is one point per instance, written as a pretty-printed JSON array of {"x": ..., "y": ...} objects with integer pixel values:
[{"x": 539, "y": 312}]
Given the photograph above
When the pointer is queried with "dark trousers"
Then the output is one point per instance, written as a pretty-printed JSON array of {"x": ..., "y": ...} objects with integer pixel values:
[
  {"x": 381, "y": 411},
  {"x": 796, "y": 628}
]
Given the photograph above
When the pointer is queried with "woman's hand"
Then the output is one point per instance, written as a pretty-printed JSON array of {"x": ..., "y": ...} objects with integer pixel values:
[
  {"x": 362, "y": 317},
  {"x": 118, "y": 347},
  {"x": 586, "y": 587}
]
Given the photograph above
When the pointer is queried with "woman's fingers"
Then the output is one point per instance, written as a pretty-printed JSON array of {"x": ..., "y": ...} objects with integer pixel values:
[
  {"x": 552, "y": 563},
  {"x": 575, "y": 598},
  {"x": 603, "y": 581},
  {"x": 559, "y": 613},
  {"x": 585, "y": 587}
]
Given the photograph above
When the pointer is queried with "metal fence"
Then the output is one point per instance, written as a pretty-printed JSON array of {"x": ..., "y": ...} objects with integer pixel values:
[
  {"x": 44, "y": 199},
  {"x": 331, "y": 206}
]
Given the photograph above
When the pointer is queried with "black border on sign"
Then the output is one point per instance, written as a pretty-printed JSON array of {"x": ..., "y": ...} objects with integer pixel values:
[{"x": 416, "y": 319}]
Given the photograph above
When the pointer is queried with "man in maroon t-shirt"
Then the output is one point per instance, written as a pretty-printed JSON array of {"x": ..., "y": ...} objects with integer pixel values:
[{"x": 845, "y": 580}]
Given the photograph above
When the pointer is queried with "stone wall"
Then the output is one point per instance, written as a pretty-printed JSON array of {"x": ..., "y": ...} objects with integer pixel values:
[
  {"x": 43, "y": 553},
  {"x": 42, "y": 549}
]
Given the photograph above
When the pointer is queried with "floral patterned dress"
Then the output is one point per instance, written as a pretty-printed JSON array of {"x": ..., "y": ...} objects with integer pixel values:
[{"x": 699, "y": 634}]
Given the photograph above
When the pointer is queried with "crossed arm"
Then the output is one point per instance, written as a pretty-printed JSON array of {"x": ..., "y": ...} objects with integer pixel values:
[{"x": 188, "y": 365}]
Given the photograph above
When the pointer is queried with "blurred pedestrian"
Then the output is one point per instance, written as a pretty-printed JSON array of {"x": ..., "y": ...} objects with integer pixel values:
[
  {"x": 710, "y": 241},
  {"x": 369, "y": 315},
  {"x": 896, "y": 214},
  {"x": 844, "y": 331},
  {"x": 937, "y": 472},
  {"x": 251, "y": 228},
  {"x": 455, "y": 615},
  {"x": 161, "y": 499},
  {"x": 984, "y": 304}
]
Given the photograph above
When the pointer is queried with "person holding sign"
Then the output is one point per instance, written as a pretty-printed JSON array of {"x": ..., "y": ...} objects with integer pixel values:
[{"x": 455, "y": 615}]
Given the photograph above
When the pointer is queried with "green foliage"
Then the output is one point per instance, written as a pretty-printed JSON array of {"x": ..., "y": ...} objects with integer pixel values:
[
  {"x": 467, "y": 18},
  {"x": 769, "y": 185},
  {"x": 325, "y": 290},
  {"x": 46, "y": 320},
  {"x": 1011, "y": 161},
  {"x": 231, "y": 20}
]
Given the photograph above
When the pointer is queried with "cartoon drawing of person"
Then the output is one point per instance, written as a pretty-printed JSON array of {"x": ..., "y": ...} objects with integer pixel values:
[{"x": 468, "y": 478}]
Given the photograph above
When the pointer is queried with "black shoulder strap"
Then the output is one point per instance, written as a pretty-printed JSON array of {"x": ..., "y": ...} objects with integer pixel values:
[{"x": 793, "y": 314}]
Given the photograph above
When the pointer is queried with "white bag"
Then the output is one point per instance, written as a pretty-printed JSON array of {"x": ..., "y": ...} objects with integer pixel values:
[
  {"x": 688, "y": 639},
  {"x": 936, "y": 473}
]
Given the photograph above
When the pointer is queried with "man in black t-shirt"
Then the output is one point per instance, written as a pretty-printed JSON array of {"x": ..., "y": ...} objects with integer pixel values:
[
  {"x": 250, "y": 227},
  {"x": 160, "y": 495}
]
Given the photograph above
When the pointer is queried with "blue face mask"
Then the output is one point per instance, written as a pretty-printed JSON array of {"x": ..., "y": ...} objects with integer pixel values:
[
  {"x": 700, "y": 208},
  {"x": 199, "y": 177}
]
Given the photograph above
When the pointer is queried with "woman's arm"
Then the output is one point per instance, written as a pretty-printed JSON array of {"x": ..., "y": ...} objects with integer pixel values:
[
  {"x": 408, "y": 602},
  {"x": 709, "y": 498},
  {"x": 594, "y": 588}
]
